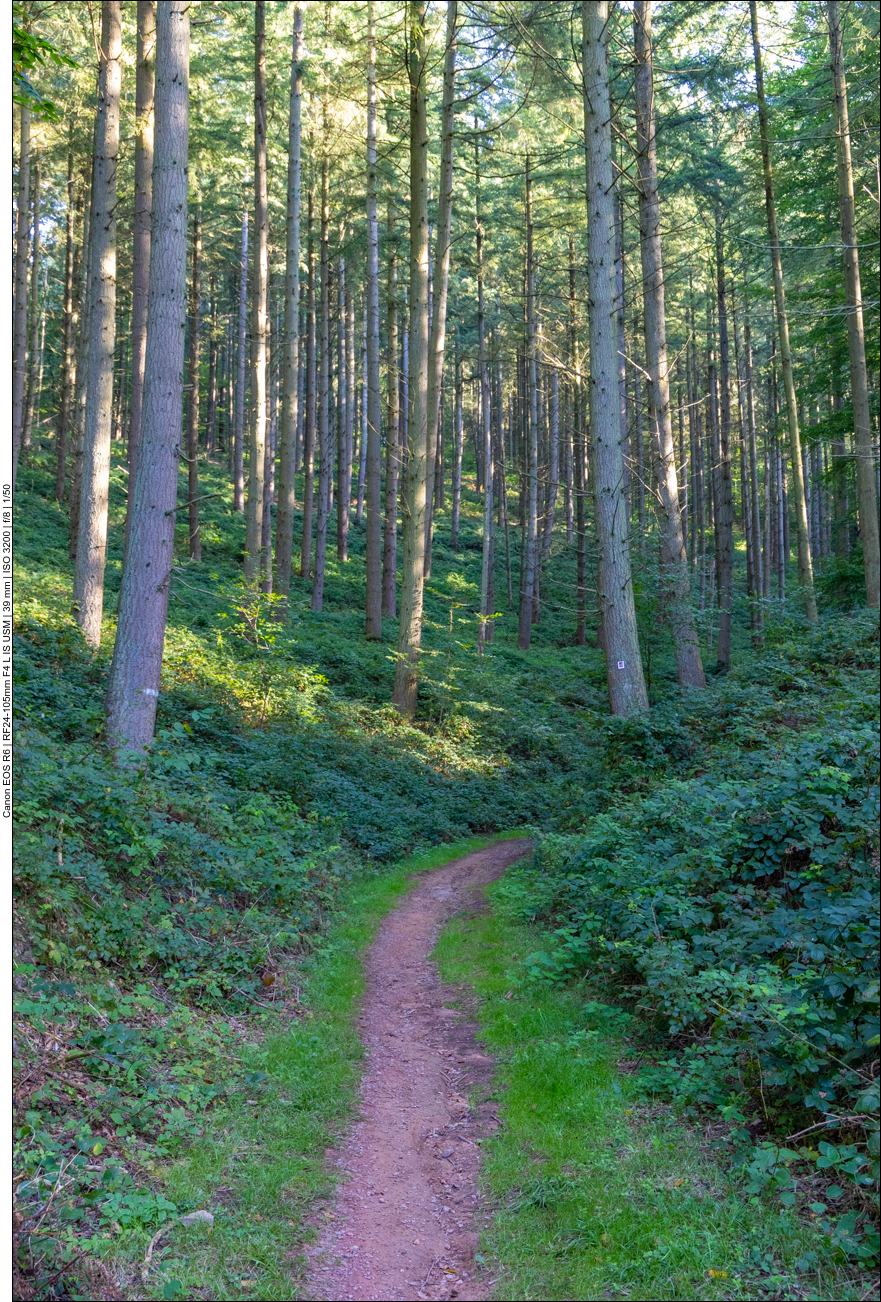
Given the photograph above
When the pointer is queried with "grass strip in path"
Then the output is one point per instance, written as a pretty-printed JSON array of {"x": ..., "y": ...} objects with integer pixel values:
[
  {"x": 597, "y": 1194},
  {"x": 261, "y": 1168}
]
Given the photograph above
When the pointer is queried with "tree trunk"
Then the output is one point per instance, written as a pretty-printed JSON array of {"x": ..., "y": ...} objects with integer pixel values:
[
  {"x": 458, "y": 429},
  {"x": 441, "y": 270},
  {"x": 88, "y": 582},
  {"x": 723, "y": 485},
  {"x": 144, "y": 86},
  {"x": 578, "y": 460},
  {"x": 530, "y": 533},
  {"x": 373, "y": 621},
  {"x": 34, "y": 302},
  {"x": 213, "y": 345},
  {"x": 82, "y": 365},
  {"x": 256, "y": 561},
  {"x": 195, "y": 542},
  {"x": 856, "y": 339},
  {"x": 287, "y": 461},
  {"x": 310, "y": 398},
  {"x": 627, "y": 691},
  {"x": 393, "y": 430},
  {"x": 20, "y": 309},
  {"x": 486, "y": 612},
  {"x": 135, "y": 673},
  {"x": 805, "y": 567},
  {"x": 342, "y": 416},
  {"x": 68, "y": 359},
  {"x": 239, "y": 432},
  {"x": 325, "y": 453},
  {"x": 674, "y": 563},
  {"x": 413, "y": 573}
]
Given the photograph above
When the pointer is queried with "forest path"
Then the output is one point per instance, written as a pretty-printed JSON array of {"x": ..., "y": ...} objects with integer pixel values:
[{"x": 405, "y": 1223}]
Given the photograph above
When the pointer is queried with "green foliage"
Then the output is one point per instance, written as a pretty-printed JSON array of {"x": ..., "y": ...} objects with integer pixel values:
[
  {"x": 598, "y": 1194},
  {"x": 736, "y": 911},
  {"x": 30, "y": 51}
]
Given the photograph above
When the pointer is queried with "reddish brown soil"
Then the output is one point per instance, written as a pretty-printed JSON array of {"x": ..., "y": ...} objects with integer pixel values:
[{"x": 406, "y": 1221}]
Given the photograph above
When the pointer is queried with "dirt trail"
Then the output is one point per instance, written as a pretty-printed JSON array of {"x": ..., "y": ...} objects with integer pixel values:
[{"x": 405, "y": 1222}]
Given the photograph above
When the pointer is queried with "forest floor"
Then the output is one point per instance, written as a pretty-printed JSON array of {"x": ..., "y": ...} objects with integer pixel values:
[
  {"x": 193, "y": 948},
  {"x": 408, "y": 1217}
]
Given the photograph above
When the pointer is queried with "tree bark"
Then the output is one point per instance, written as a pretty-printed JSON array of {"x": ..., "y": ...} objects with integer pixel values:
[
  {"x": 195, "y": 542},
  {"x": 20, "y": 309},
  {"x": 373, "y": 620},
  {"x": 241, "y": 373},
  {"x": 88, "y": 582},
  {"x": 441, "y": 271},
  {"x": 342, "y": 415},
  {"x": 310, "y": 398},
  {"x": 393, "y": 424},
  {"x": 135, "y": 673},
  {"x": 144, "y": 89},
  {"x": 805, "y": 567},
  {"x": 486, "y": 612},
  {"x": 627, "y": 692},
  {"x": 287, "y": 461},
  {"x": 458, "y": 429},
  {"x": 213, "y": 347},
  {"x": 674, "y": 562},
  {"x": 856, "y": 338},
  {"x": 723, "y": 484},
  {"x": 34, "y": 313},
  {"x": 530, "y": 532},
  {"x": 68, "y": 356},
  {"x": 325, "y": 453},
  {"x": 413, "y": 573},
  {"x": 256, "y": 562}
]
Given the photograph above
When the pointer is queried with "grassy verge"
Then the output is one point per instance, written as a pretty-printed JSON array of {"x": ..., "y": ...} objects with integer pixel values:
[
  {"x": 261, "y": 1167},
  {"x": 600, "y": 1194}
]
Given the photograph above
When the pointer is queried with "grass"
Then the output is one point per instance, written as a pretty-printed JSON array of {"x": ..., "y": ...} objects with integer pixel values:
[
  {"x": 600, "y": 1193},
  {"x": 262, "y": 1169}
]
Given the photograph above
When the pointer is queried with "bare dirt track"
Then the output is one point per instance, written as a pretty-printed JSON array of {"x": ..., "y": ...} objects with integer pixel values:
[{"x": 406, "y": 1219}]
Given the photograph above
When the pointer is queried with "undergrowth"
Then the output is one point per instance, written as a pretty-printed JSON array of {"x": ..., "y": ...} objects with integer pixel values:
[{"x": 159, "y": 917}]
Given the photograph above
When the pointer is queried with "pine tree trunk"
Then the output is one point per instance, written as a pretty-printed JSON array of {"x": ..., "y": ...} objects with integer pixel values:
[
  {"x": 805, "y": 567},
  {"x": 553, "y": 468},
  {"x": 82, "y": 365},
  {"x": 674, "y": 563},
  {"x": 342, "y": 416},
  {"x": 350, "y": 397},
  {"x": 325, "y": 452},
  {"x": 91, "y": 554},
  {"x": 287, "y": 461},
  {"x": 144, "y": 90},
  {"x": 530, "y": 534},
  {"x": 20, "y": 309},
  {"x": 373, "y": 620},
  {"x": 238, "y": 441},
  {"x": 135, "y": 673},
  {"x": 68, "y": 360},
  {"x": 723, "y": 484},
  {"x": 413, "y": 543},
  {"x": 256, "y": 560},
  {"x": 34, "y": 300},
  {"x": 213, "y": 346},
  {"x": 310, "y": 403},
  {"x": 458, "y": 431},
  {"x": 195, "y": 542},
  {"x": 393, "y": 428},
  {"x": 441, "y": 271},
  {"x": 578, "y": 459},
  {"x": 856, "y": 339},
  {"x": 486, "y": 611},
  {"x": 627, "y": 691}
]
